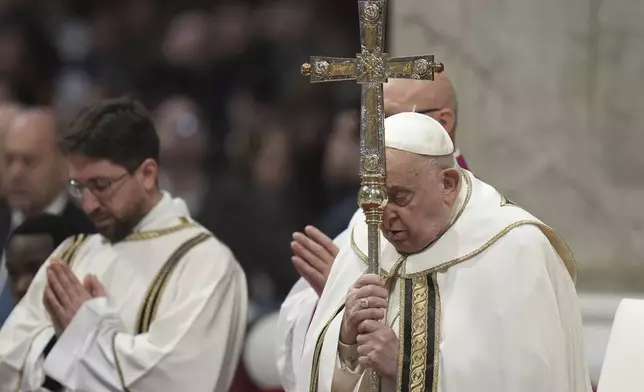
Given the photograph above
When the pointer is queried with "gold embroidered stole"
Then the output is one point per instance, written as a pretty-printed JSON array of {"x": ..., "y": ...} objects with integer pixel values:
[
  {"x": 419, "y": 334},
  {"x": 68, "y": 253},
  {"x": 153, "y": 296},
  {"x": 151, "y": 301}
]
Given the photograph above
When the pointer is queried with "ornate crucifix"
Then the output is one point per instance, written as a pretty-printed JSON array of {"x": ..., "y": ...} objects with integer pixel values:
[{"x": 371, "y": 68}]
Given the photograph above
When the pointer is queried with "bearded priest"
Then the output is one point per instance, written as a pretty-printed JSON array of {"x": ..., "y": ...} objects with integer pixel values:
[
  {"x": 153, "y": 302},
  {"x": 474, "y": 293}
]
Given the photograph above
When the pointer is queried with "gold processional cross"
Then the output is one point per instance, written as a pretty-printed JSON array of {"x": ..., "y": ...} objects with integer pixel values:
[{"x": 371, "y": 68}]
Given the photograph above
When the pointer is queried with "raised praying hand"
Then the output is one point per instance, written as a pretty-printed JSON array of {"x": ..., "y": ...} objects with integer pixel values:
[
  {"x": 313, "y": 256},
  {"x": 64, "y": 294}
]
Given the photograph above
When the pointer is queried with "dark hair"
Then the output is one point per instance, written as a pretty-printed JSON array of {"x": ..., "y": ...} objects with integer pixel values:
[
  {"x": 119, "y": 130},
  {"x": 57, "y": 227}
]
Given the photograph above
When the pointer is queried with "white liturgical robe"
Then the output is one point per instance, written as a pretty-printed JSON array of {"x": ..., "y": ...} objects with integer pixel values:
[
  {"x": 489, "y": 306},
  {"x": 294, "y": 318},
  {"x": 622, "y": 367},
  {"x": 173, "y": 318}
]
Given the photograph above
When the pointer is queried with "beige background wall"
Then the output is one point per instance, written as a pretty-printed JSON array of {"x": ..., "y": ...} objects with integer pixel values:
[{"x": 551, "y": 100}]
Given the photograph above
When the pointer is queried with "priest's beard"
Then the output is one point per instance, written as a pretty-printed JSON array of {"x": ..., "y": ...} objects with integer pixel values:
[{"x": 122, "y": 226}]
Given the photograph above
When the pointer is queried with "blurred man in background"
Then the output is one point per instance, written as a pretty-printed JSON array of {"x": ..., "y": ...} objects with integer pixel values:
[
  {"x": 34, "y": 179},
  {"x": 8, "y": 111},
  {"x": 436, "y": 99},
  {"x": 35, "y": 173}
]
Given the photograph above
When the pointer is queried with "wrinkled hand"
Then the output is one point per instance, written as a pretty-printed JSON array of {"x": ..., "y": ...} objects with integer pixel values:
[
  {"x": 313, "y": 256},
  {"x": 64, "y": 294},
  {"x": 378, "y": 348},
  {"x": 366, "y": 300}
]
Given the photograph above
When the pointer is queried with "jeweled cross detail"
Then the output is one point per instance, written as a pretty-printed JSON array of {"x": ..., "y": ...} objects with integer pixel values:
[{"x": 371, "y": 68}]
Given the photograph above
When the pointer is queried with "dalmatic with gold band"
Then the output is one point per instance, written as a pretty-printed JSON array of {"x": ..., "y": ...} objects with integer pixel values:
[
  {"x": 490, "y": 305},
  {"x": 174, "y": 317}
]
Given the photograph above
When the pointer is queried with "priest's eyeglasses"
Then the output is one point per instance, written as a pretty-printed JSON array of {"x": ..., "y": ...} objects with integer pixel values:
[{"x": 100, "y": 187}]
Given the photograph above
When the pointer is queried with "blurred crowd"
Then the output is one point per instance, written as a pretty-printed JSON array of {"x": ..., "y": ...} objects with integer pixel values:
[{"x": 255, "y": 150}]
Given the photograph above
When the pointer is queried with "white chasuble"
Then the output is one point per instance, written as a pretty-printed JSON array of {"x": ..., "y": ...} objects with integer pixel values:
[
  {"x": 489, "y": 306},
  {"x": 173, "y": 319},
  {"x": 294, "y": 318}
]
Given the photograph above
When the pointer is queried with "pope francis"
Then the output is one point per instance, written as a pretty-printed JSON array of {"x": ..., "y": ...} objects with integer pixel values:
[{"x": 474, "y": 293}]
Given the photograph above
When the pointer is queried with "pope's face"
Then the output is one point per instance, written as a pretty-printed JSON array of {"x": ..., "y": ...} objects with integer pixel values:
[{"x": 421, "y": 198}]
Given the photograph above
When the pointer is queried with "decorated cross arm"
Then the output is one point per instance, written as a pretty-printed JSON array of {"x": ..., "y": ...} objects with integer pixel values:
[{"x": 371, "y": 68}]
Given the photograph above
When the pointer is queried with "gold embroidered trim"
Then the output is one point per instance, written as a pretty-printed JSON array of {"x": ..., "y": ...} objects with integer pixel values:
[
  {"x": 564, "y": 250},
  {"x": 498, "y": 236},
  {"x": 468, "y": 196},
  {"x": 148, "y": 308},
  {"x": 383, "y": 273},
  {"x": 147, "y": 235},
  {"x": 318, "y": 345},
  {"x": 418, "y": 360},
  {"x": 315, "y": 368},
  {"x": 401, "y": 332},
  {"x": 507, "y": 202},
  {"x": 71, "y": 242},
  {"x": 437, "y": 333},
  {"x": 118, "y": 364},
  {"x": 71, "y": 256},
  {"x": 68, "y": 253}
]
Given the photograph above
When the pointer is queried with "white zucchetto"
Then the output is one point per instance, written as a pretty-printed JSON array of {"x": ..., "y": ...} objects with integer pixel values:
[{"x": 417, "y": 133}]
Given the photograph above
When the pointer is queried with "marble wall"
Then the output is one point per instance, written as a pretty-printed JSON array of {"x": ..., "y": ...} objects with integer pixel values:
[{"x": 551, "y": 98}]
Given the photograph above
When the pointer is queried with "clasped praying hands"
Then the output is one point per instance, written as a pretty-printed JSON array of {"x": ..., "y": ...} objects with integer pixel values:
[
  {"x": 362, "y": 324},
  {"x": 64, "y": 294}
]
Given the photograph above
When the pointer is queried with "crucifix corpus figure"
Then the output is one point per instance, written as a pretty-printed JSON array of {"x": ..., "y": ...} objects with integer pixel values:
[{"x": 463, "y": 289}]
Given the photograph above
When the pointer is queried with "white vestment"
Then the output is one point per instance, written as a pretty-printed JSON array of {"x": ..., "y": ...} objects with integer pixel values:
[
  {"x": 491, "y": 306},
  {"x": 173, "y": 319},
  {"x": 622, "y": 367},
  {"x": 294, "y": 318}
]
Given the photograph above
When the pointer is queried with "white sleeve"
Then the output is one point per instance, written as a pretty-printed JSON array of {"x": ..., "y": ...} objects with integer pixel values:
[
  {"x": 193, "y": 344},
  {"x": 294, "y": 318},
  {"x": 24, "y": 336}
]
